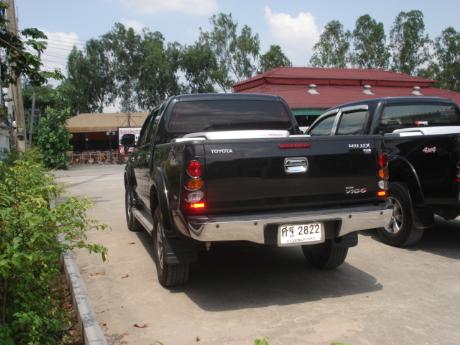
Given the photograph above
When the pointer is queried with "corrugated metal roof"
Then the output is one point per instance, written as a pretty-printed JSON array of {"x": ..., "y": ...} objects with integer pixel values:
[
  {"x": 330, "y": 76},
  {"x": 101, "y": 122},
  {"x": 297, "y": 96}
]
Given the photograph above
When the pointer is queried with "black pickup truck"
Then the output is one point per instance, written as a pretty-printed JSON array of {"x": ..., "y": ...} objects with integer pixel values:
[
  {"x": 233, "y": 167},
  {"x": 422, "y": 137}
]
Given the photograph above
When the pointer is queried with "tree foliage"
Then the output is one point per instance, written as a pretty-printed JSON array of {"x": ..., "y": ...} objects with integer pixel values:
[
  {"x": 409, "y": 42},
  {"x": 30, "y": 253},
  {"x": 157, "y": 78},
  {"x": 273, "y": 58},
  {"x": 369, "y": 44},
  {"x": 53, "y": 138},
  {"x": 123, "y": 47},
  {"x": 236, "y": 53},
  {"x": 199, "y": 64},
  {"x": 446, "y": 68},
  {"x": 20, "y": 53},
  {"x": 333, "y": 46}
]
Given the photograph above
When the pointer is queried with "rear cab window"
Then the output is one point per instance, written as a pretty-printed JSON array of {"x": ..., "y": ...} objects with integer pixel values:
[
  {"x": 352, "y": 122},
  {"x": 418, "y": 115},
  {"x": 223, "y": 115},
  {"x": 324, "y": 127}
]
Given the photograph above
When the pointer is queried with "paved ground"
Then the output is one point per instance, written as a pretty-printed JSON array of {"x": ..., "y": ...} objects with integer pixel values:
[{"x": 382, "y": 295}]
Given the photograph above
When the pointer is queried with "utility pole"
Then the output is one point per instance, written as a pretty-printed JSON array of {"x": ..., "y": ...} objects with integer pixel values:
[
  {"x": 32, "y": 114},
  {"x": 15, "y": 90}
]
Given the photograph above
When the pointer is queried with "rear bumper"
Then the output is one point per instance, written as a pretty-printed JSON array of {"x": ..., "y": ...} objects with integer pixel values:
[{"x": 255, "y": 228}]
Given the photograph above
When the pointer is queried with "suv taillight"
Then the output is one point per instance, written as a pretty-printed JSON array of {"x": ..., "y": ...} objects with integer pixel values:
[
  {"x": 193, "y": 186},
  {"x": 383, "y": 175}
]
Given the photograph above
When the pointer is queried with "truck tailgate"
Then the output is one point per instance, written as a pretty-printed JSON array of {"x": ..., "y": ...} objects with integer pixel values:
[{"x": 295, "y": 173}]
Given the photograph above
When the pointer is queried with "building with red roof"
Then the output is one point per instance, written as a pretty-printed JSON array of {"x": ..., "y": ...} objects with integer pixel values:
[{"x": 309, "y": 91}]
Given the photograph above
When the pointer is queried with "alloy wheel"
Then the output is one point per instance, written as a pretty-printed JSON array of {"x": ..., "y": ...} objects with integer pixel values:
[{"x": 397, "y": 218}]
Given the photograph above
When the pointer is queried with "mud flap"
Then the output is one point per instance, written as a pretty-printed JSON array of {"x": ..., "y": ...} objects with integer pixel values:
[
  {"x": 423, "y": 217},
  {"x": 347, "y": 241},
  {"x": 180, "y": 250}
]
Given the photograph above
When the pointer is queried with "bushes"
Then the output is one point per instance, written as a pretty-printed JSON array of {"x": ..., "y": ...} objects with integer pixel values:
[
  {"x": 53, "y": 138},
  {"x": 30, "y": 310}
]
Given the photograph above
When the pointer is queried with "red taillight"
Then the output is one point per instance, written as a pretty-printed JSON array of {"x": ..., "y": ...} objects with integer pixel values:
[
  {"x": 383, "y": 174},
  {"x": 194, "y": 169},
  {"x": 294, "y": 145},
  {"x": 193, "y": 195},
  {"x": 383, "y": 160}
]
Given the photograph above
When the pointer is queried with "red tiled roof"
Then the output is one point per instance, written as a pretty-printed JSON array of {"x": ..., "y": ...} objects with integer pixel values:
[
  {"x": 297, "y": 96},
  {"x": 331, "y": 76}
]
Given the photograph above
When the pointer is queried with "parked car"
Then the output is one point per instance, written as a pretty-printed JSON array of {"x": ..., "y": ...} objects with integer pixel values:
[
  {"x": 233, "y": 167},
  {"x": 421, "y": 135}
]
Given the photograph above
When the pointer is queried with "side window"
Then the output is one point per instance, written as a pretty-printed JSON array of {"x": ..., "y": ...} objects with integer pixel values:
[
  {"x": 324, "y": 127},
  {"x": 152, "y": 126},
  {"x": 352, "y": 123},
  {"x": 144, "y": 131}
]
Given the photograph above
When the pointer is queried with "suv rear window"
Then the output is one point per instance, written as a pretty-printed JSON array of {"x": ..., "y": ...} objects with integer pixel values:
[
  {"x": 418, "y": 115},
  {"x": 220, "y": 115}
]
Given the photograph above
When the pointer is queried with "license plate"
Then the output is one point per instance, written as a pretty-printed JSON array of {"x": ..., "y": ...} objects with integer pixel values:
[{"x": 298, "y": 234}]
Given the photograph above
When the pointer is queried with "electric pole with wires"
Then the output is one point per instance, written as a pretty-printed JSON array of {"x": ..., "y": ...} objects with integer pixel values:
[{"x": 16, "y": 107}]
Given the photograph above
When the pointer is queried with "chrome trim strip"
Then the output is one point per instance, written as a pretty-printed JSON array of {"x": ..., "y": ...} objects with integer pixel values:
[{"x": 251, "y": 228}]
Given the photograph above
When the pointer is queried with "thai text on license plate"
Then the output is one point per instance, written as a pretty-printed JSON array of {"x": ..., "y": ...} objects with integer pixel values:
[{"x": 298, "y": 234}]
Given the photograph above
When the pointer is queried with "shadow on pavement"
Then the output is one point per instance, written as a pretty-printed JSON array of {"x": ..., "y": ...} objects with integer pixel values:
[
  {"x": 235, "y": 277},
  {"x": 232, "y": 277},
  {"x": 443, "y": 239}
]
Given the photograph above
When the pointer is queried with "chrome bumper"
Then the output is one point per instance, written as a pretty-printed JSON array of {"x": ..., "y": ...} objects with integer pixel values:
[{"x": 251, "y": 227}]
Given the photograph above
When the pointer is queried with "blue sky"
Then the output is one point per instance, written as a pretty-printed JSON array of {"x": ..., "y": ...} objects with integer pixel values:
[{"x": 293, "y": 24}]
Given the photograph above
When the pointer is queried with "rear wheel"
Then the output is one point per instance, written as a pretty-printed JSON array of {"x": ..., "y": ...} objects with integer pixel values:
[
  {"x": 325, "y": 255},
  {"x": 169, "y": 275},
  {"x": 133, "y": 224},
  {"x": 400, "y": 231}
]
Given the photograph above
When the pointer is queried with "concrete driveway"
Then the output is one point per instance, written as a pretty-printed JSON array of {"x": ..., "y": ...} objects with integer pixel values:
[{"x": 381, "y": 295}]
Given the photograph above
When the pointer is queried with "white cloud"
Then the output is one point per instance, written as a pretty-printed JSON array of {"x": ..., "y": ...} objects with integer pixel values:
[
  {"x": 59, "y": 46},
  {"x": 199, "y": 7},
  {"x": 135, "y": 24},
  {"x": 295, "y": 34}
]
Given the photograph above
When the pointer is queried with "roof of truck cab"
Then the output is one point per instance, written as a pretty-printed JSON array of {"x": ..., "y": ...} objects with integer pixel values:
[
  {"x": 409, "y": 99},
  {"x": 221, "y": 96}
]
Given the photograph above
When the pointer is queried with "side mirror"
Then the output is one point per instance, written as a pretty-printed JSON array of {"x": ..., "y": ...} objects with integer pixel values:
[{"x": 128, "y": 140}]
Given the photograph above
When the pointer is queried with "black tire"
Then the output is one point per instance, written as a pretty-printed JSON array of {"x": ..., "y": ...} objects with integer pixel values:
[
  {"x": 169, "y": 275},
  {"x": 325, "y": 255},
  {"x": 400, "y": 231},
  {"x": 131, "y": 221}
]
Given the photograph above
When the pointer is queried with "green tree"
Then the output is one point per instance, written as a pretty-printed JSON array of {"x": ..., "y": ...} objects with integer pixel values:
[
  {"x": 447, "y": 54},
  {"x": 89, "y": 85},
  {"x": 53, "y": 138},
  {"x": 157, "y": 70},
  {"x": 369, "y": 44},
  {"x": 236, "y": 53},
  {"x": 333, "y": 46},
  {"x": 198, "y": 63},
  {"x": 408, "y": 41},
  {"x": 45, "y": 96},
  {"x": 273, "y": 58},
  {"x": 19, "y": 54},
  {"x": 124, "y": 48}
]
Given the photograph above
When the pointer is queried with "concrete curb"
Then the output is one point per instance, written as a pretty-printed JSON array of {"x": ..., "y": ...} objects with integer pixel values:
[{"x": 90, "y": 329}]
